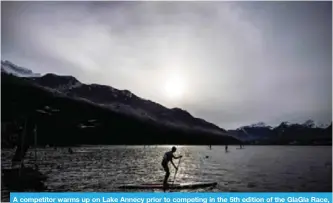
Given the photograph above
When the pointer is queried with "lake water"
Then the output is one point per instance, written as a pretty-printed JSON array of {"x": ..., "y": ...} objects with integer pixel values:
[{"x": 255, "y": 168}]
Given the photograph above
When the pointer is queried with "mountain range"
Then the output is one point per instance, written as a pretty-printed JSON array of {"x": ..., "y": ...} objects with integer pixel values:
[
  {"x": 96, "y": 114},
  {"x": 286, "y": 133},
  {"x": 70, "y": 112},
  {"x": 10, "y": 68}
]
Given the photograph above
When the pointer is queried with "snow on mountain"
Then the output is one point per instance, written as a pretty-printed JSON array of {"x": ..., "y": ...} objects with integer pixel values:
[
  {"x": 121, "y": 101},
  {"x": 60, "y": 83},
  {"x": 125, "y": 102},
  {"x": 10, "y": 68}
]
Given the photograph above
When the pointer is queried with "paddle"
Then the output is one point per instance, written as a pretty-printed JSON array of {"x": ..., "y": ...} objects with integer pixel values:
[{"x": 176, "y": 171}]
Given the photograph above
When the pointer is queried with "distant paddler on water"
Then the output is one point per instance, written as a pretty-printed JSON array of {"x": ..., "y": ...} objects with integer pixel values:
[{"x": 168, "y": 156}]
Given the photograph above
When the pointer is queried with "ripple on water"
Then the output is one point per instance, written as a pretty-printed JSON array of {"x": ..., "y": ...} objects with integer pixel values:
[{"x": 256, "y": 168}]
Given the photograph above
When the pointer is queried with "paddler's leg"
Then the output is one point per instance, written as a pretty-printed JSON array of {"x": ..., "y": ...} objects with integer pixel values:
[{"x": 166, "y": 177}]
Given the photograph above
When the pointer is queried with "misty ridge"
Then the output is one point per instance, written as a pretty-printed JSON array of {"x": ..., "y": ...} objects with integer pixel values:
[
  {"x": 285, "y": 133},
  {"x": 69, "y": 112}
]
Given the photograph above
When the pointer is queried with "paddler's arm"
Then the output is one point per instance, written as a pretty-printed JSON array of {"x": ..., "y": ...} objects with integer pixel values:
[
  {"x": 178, "y": 157},
  {"x": 174, "y": 165}
]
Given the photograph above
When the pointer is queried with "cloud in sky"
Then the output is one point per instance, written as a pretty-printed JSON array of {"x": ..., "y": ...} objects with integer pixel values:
[{"x": 241, "y": 62}]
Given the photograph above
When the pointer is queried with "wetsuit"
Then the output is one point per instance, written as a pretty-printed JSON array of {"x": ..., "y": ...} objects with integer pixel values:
[{"x": 166, "y": 158}]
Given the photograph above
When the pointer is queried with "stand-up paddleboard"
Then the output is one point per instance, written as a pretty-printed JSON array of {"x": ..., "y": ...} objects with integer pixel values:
[{"x": 191, "y": 185}]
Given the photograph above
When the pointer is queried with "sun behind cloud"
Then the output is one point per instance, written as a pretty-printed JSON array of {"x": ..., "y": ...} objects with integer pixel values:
[{"x": 175, "y": 87}]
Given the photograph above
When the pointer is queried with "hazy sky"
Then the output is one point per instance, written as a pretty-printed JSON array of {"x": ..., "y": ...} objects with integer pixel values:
[{"x": 231, "y": 63}]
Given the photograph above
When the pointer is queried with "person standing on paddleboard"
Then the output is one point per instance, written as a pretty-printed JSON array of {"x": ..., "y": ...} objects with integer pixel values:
[{"x": 168, "y": 156}]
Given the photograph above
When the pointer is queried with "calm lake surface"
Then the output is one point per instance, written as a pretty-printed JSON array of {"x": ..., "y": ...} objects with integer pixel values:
[{"x": 255, "y": 168}]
